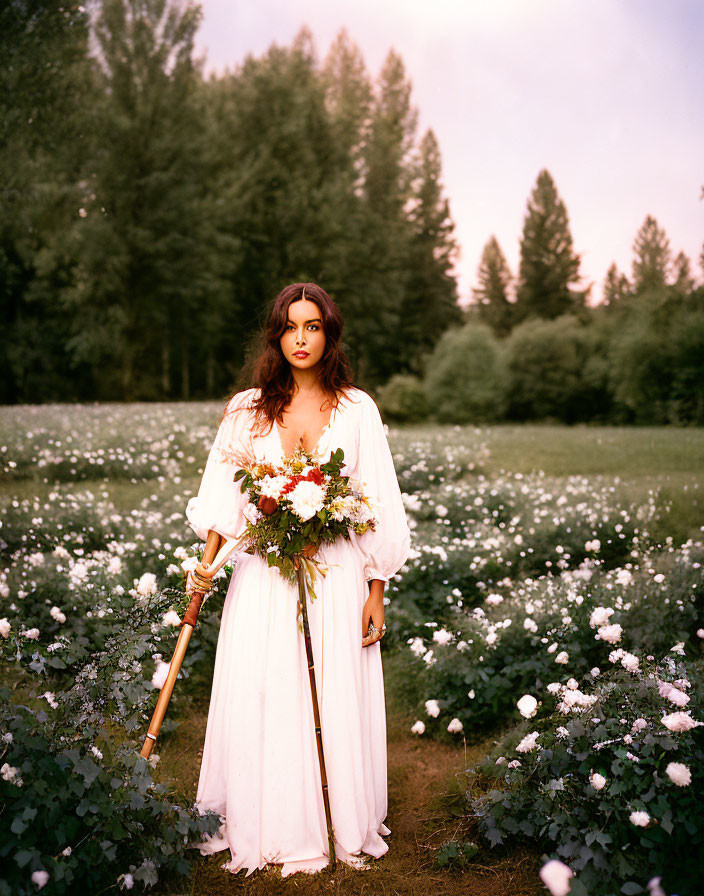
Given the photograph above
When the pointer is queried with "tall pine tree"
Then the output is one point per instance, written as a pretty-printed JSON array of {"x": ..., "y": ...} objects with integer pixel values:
[
  {"x": 430, "y": 303},
  {"x": 492, "y": 295},
  {"x": 652, "y": 260},
  {"x": 549, "y": 267},
  {"x": 616, "y": 287},
  {"x": 143, "y": 238}
]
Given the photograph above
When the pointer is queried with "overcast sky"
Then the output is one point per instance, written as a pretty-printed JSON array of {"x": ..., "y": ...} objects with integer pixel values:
[{"x": 605, "y": 94}]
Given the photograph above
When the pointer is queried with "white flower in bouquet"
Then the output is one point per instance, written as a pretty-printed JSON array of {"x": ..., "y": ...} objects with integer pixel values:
[
  {"x": 597, "y": 781},
  {"x": 680, "y": 721},
  {"x": 673, "y": 694},
  {"x": 5, "y": 627},
  {"x": 252, "y": 513},
  {"x": 146, "y": 585},
  {"x": 679, "y": 774},
  {"x": 31, "y": 633},
  {"x": 638, "y": 725},
  {"x": 556, "y": 876},
  {"x": 432, "y": 707},
  {"x": 563, "y": 657},
  {"x": 455, "y": 726},
  {"x": 529, "y": 742},
  {"x": 272, "y": 486},
  {"x": 530, "y": 625},
  {"x": 554, "y": 687},
  {"x": 514, "y": 763},
  {"x": 180, "y": 553},
  {"x": 442, "y": 636},
  {"x": 615, "y": 655},
  {"x": 527, "y": 706},
  {"x": 562, "y": 732},
  {"x": 418, "y": 727},
  {"x": 639, "y": 818},
  {"x": 600, "y": 616},
  {"x": 611, "y": 633},
  {"x": 307, "y": 498}
]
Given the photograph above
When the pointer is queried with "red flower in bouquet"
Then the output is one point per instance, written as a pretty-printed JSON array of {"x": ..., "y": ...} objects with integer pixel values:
[{"x": 267, "y": 505}]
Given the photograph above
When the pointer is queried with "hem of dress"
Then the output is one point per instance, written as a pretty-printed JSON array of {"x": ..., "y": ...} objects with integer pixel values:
[{"x": 373, "y": 847}]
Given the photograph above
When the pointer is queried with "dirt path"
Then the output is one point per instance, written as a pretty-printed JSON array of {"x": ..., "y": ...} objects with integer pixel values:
[{"x": 426, "y": 797}]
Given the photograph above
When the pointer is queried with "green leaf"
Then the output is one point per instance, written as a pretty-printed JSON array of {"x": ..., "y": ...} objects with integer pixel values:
[{"x": 631, "y": 888}]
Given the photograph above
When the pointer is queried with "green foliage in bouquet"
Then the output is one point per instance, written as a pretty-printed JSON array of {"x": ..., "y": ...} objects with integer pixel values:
[{"x": 282, "y": 526}]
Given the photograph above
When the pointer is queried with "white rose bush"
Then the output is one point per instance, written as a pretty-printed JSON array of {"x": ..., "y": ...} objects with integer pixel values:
[{"x": 89, "y": 595}]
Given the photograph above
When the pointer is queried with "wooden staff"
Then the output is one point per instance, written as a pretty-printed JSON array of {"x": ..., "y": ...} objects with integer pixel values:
[
  {"x": 188, "y": 623},
  {"x": 316, "y": 713}
]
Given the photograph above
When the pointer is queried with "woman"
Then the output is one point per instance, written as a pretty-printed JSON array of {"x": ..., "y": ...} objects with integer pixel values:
[{"x": 260, "y": 768}]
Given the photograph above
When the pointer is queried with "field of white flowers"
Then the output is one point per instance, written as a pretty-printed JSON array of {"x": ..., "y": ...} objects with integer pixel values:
[{"x": 540, "y": 603}]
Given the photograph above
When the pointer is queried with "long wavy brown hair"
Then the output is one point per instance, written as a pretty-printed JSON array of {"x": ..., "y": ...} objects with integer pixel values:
[{"x": 268, "y": 369}]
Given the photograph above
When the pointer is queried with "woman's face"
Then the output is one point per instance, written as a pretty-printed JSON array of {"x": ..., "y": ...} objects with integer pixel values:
[{"x": 303, "y": 340}]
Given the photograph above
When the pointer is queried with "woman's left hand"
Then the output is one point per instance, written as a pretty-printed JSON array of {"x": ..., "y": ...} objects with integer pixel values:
[{"x": 373, "y": 609}]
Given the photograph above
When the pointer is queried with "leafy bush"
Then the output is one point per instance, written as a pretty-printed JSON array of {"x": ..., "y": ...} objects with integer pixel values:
[
  {"x": 546, "y": 361},
  {"x": 610, "y": 785},
  {"x": 79, "y": 803},
  {"x": 403, "y": 399},
  {"x": 465, "y": 377},
  {"x": 543, "y": 631}
]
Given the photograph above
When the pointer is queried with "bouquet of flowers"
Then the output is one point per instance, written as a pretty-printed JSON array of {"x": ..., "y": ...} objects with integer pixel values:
[{"x": 299, "y": 503}]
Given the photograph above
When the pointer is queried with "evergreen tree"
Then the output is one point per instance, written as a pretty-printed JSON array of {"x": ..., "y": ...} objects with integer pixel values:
[
  {"x": 652, "y": 258},
  {"x": 430, "y": 302},
  {"x": 682, "y": 273},
  {"x": 143, "y": 240},
  {"x": 549, "y": 267},
  {"x": 382, "y": 279},
  {"x": 44, "y": 95},
  {"x": 492, "y": 294},
  {"x": 616, "y": 286}
]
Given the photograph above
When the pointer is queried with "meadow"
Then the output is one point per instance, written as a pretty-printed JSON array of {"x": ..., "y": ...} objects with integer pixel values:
[{"x": 543, "y": 659}]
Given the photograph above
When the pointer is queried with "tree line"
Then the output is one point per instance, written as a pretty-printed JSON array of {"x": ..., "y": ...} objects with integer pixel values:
[
  {"x": 149, "y": 214},
  {"x": 531, "y": 348}
]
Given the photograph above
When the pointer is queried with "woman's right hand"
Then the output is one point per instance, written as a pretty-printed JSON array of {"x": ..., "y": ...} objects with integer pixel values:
[{"x": 191, "y": 584}]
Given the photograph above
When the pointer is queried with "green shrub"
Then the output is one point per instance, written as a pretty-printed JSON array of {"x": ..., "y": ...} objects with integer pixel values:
[
  {"x": 465, "y": 377},
  {"x": 547, "y": 360},
  {"x": 403, "y": 399},
  {"x": 571, "y": 780}
]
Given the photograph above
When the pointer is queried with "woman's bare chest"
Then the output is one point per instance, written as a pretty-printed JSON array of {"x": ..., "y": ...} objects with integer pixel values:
[{"x": 304, "y": 424}]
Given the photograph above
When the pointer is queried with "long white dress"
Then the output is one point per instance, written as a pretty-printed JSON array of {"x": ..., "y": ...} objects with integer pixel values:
[{"x": 260, "y": 769}]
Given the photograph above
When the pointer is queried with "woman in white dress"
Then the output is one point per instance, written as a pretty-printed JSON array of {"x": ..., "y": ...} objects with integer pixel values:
[{"x": 260, "y": 769}]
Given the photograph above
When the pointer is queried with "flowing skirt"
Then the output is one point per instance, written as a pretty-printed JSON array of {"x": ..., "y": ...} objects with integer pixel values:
[{"x": 260, "y": 770}]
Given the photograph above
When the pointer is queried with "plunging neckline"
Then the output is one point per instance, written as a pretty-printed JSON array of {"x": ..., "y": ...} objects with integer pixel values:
[{"x": 314, "y": 450}]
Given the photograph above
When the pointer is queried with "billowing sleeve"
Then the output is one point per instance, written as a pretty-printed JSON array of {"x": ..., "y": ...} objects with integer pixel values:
[
  {"x": 219, "y": 502},
  {"x": 387, "y": 547}
]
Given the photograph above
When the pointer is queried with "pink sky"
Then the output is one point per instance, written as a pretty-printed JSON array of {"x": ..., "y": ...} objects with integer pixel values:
[{"x": 605, "y": 94}]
